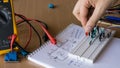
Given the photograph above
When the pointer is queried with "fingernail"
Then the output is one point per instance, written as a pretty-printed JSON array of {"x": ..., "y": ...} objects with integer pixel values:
[{"x": 86, "y": 33}]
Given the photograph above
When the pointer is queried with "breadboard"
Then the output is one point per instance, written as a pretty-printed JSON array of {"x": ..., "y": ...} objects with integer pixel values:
[{"x": 73, "y": 40}]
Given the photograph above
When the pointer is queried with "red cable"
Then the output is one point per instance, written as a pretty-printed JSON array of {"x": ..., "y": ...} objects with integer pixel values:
[
  {"x": 53, "y": 41},
  {"x": 30, "y": 34},
  {"x": 12, "y": 38}
]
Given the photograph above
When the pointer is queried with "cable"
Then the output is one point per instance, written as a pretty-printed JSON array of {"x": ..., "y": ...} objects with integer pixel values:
[
  {"x": 109, "y": 20},
  {"x": 24, "y": 18},
  {"x": 30, "y": 33},
  {"x": 12, "y": 40},
  {"x": 22, "y": 51},
  {"x": 116, "y": 7},
  {"x": 53, "y": 41},
  {"x": 44, "y": 37},
  {"x": 35, "y": 20},
  {"x": 113, "y": 27}
]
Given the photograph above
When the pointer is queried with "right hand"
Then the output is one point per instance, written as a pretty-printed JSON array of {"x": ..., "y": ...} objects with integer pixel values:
[{"x": 81, "y": 12}]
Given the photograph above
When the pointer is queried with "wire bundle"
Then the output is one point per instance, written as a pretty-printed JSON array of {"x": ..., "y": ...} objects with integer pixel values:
[
  {"x": 30, "y": 26},
  {"x": 113, "y": 21}
]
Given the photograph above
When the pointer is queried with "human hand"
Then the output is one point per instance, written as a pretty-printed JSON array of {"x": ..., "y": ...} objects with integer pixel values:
[{"x": 81, "y": 12}]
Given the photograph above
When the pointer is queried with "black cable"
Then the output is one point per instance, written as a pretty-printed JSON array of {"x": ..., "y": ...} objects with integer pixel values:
[
  {"x": 116, "y": 6},
  {"x": 20, "y": 22},
  {"x": 30, "y": 26},
  {"x": 44, "y": 37},
  {"x": 46, "y": 27},
  {"x": 22, "y": 51}
]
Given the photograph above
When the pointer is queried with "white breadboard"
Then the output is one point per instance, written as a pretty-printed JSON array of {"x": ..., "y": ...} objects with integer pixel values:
[
  {"x": 71, "y": 50},
  {"x": 73, "y": 40}
]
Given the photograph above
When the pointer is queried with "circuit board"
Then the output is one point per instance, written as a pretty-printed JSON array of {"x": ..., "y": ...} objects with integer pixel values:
[{"x": 74, "y": 40}]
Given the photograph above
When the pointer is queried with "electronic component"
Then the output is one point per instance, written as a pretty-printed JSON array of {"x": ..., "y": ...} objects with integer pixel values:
[
  {"x": 91, "y": 46},
  {"x": 11, "y": 57},
  {"x": 7, "y": 25}
]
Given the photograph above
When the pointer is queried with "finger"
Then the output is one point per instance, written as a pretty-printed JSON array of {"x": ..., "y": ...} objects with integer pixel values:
[
  {"x": 76, "y": 10},
  {"x": 81, "y": 12},
  {"x": 84, "y": 14},
  {"x": 98, "y": 12}
]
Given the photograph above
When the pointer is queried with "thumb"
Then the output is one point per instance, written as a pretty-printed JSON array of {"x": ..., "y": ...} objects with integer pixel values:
[{"x": 97, "y": 13}]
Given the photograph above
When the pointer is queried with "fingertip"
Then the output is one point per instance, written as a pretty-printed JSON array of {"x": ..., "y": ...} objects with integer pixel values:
[{"x": 88, "y": 29}]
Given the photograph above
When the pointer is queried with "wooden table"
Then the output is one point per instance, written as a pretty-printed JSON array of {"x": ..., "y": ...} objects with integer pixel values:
[{"x": 56, "y": 19}]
